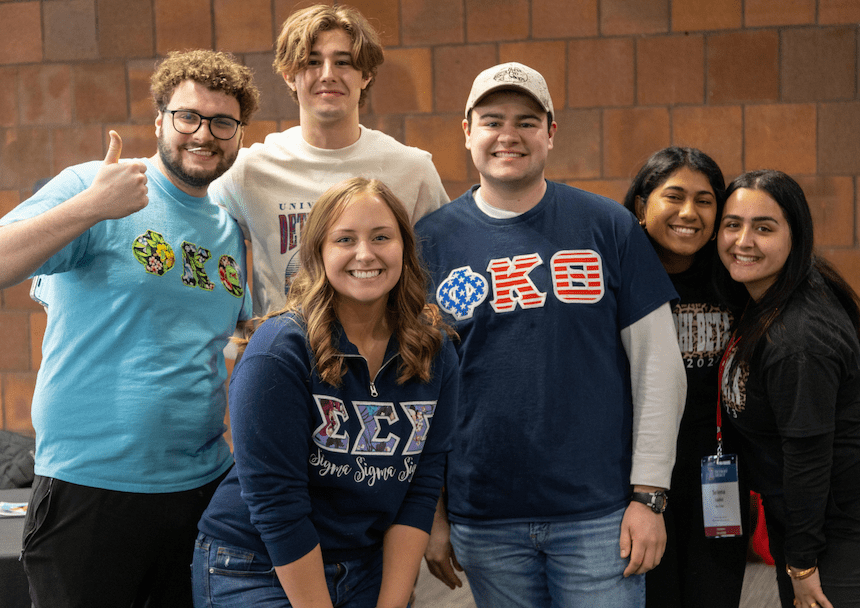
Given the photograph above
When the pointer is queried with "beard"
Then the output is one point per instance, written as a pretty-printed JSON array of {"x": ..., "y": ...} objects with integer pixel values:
[{"x": 195, "y": 178}]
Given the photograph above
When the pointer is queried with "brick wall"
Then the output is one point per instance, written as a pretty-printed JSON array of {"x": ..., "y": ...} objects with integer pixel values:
[{"x": 755, "y": 83}]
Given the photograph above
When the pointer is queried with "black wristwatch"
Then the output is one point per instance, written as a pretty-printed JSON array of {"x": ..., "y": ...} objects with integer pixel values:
[{"x": 657, "y": 501}]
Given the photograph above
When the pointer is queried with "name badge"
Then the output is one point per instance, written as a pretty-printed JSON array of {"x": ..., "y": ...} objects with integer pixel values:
[{"x": 721, "y": 503}]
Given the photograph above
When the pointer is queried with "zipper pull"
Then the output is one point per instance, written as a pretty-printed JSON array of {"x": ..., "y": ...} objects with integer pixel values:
[{"x": 373, "y": 392}]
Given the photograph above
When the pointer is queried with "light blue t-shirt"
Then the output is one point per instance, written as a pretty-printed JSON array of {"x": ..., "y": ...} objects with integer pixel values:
[{"x": 131, "y": 393}]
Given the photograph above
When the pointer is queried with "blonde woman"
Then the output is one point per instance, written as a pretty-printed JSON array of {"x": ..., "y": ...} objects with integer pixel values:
[{"x": 341, "y": 408}]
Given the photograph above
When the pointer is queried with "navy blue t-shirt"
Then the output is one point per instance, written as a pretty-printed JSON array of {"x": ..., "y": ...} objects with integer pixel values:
[{"x": 539, "y": 301}]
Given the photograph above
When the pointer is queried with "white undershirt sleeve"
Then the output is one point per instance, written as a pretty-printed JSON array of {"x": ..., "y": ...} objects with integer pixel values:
[{"x": 659, "y": 385}]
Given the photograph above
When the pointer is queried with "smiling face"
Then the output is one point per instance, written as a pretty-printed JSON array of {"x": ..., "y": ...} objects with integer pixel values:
[
  {"x": 509, "y": 140},
  {"x": 363, "y": 254},
  {"x": 680, "y": 216},
  {"x": 192, "y": 162},
  {"x": 754, "y": 240},
  {"x": 329, "y": 88}
]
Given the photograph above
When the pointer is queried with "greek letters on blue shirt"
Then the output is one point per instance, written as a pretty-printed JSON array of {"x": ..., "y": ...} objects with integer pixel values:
[
  {"x": 376, "y": 435},
  {"x": 158, "y": 257},
  {"x": 577, "y": 278}
]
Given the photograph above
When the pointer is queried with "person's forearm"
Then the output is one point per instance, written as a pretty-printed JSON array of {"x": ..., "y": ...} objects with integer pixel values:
[
  {"x": 27, "y": 244},
  {"x": 118, "y": 189},
  {"x": 648, "y": 489},
  {"x": 402, "y": 550},
  {"x": 304, "y": 581}
]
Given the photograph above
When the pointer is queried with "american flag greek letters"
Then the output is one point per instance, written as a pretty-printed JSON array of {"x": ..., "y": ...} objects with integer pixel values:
[{"x": 577, "y": 278}]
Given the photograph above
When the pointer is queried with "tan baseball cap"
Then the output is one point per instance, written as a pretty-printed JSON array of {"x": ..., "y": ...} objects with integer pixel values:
[{"x": 510, "y": 76}]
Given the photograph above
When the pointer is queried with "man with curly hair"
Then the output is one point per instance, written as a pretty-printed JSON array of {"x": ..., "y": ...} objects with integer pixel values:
[
  {"x": 328, "y": 56},
  {"x": 147, "y": 285}
]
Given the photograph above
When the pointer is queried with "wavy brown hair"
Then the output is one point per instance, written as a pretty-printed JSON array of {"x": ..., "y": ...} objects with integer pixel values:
[
  {"x": 417, "y": 325},
  {"x": 300, "y": 31}
]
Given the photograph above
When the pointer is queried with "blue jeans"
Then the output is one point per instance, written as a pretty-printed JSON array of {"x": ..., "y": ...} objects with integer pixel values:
[
  {"x": 548, "y": 564},
  {"x": 225, "y": 575}
]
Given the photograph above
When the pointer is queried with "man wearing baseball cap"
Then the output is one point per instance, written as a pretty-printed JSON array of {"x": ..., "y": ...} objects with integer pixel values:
[{"x": 572, "y": 385}]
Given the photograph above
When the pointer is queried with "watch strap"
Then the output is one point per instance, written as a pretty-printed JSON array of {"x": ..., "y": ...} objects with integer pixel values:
[{"x": 656, "y": 501}]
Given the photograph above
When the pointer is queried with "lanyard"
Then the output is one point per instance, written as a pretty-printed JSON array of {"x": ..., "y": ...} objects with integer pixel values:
[
  {"x": 722, "y": 369},
  {"x": 720, "y": 491}
]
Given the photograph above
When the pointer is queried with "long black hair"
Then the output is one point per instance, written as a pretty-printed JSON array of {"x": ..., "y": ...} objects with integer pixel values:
[
  {"x": 755, "y": 318},
  {"x": 662, "y": 165}
]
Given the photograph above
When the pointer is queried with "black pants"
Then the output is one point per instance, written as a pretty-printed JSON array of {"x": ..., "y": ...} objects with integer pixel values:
[
  {"x": 90, "y": 547},
  {"x": 697, "y": 572}
]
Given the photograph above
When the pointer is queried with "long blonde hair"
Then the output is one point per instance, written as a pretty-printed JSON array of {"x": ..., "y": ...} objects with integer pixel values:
[{"x": 418, "y": 326}]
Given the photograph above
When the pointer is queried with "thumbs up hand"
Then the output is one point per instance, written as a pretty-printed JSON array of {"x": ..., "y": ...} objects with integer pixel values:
[{"x": 119, "y": 187}]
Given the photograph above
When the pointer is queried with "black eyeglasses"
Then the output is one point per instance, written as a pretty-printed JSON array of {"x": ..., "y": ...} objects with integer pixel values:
[{"x": 187, "y": 122}]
